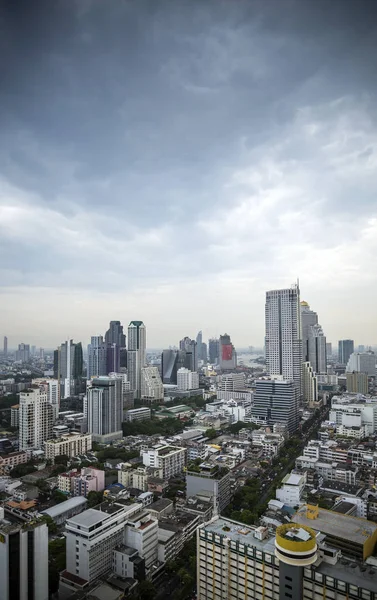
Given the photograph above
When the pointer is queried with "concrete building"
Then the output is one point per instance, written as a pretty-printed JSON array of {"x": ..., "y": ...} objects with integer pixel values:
[
  {"x": 68, "y": 368},
  {"x": 23, "y": 561},
  {"x": 357, "y": 383},
  {"x": 283, "y": 334},
  {"x": 152, "y": 389},
  {"x": 97, "y": 357},
  {"x": 362, "y": 362},
  {"x": 238, "y": 561},
  {"x": 52, "y": 389},
  {"x": 5, "y": 345},
  {"x": 171, "y": 362},
  {"x": 187, "y": 380},
  {"x": 354, "y": 415},
  {"x": 15, "y": 415},
  {"x": 35, "y": 419},
  {"x": 105, "y": 408},
  {"x": 309, "y": 385},
  {"x": 66, "y": 510},
  {"x": 115, "y": 340},
  {"x": 211, "y": 479},
  {"x": 345, "y": 349},
  {"x": 276, "y": 401},
  {"x": 227, "y": 353},
  {"x": 136, "y": 354},
  {"x": 214, "y": 350},
  {"x": 80, "y": 483},
  {"x": 138, "y": 414},
  {"x": 133, "y": 478},
  {"x": 170, "y": 459},
  {"x": 317, "y": 349},
  {"x": 291, "y": 490},
  {"x": 71, "y": 445},
  {"x": 23, "y": 353}
]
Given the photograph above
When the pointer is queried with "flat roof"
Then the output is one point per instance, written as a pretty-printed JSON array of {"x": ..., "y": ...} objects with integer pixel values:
[
  {"x": 61, "y": 508},
  {"x": 239, "y": 532},
  {"x": 88, "y": 518},
  {"x": 342, "y": 526}
]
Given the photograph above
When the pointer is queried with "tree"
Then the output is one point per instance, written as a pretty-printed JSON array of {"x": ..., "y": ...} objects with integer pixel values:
[
  {"x": 211, "y": 433},
  {"x": 56, "y": 562},
  {"x": 146, "y": 590},
  {"x": 94, "y": 498},
  {"x": 62, "y": 460},
  {"x": 52, "y": 526},
  {"x": 58, "y": 496}
]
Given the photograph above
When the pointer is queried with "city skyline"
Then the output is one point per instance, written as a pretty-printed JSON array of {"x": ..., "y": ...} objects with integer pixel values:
[{"x": 219, "y": 150}]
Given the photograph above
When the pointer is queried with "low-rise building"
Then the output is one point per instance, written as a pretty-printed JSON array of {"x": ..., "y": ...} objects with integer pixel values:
[
  {"x": 161, "y": 508},
  {"x": 171, "y": 459},
  {"x": 65, "y": 510},
  {"x": 80, "y": 483},
  {"x": 292, "y": 489},
  {"x": 8, "y": 461},
  {"x": 71, "y": 445},
  {"x": 138, "y": 414},
  {"x": 213, "y": 479}
]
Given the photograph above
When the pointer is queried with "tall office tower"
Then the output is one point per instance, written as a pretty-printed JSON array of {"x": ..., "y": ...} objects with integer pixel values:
[
  {"x": 35, "y": 418},
  {"x": 23, "y": 353},
  {"x": 345, "y": 349},
  {"x": 317, "y": 349},
  {"x": 213, "y": 350},
  {"x": 5, "y": 345},
  {"x": 115, "y": 335},
  {"x": 105, "y": 408},
  {"x": 97, "y": 357},
  {"x": 190, "y": 347},
  {"x": 41, "y": 353},
  {"x": 308, "y": 319},
  {"x": 276, "y": 401},
  {"x": 204, "y": 352},
  {"x": 227, "y": 353},
  {"x": 361, "y": 348},
  {"x": 171, "y": 362},
  {"x": 283, "y": 334},
  {"x": 187, "y": 380},
  {"x": 362, "y": 362},
  {"x": 199, "y": 342},
  {"x": 68, "y": 368},
  {"x": 136, "y": 354},
  {"x": 329, "y": 349},
  {"x": 152, "y": 389},
  {"x": 112, "y": 358},
  {"x": 309, "y": 385},
  {"x": 23, "y": 561},
  {"x": 33, "y": 350}
]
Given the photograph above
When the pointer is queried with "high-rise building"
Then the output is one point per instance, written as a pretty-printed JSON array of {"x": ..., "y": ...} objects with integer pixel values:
[
  {"x": 204, "y": 352},
  {"x": 68, "y": 368},
  {"x": 214, "y": 350},
  {"x": 152, "y": 389},
  {"x": 97, "y": 357},
  {"x": 283, "y": 334},
  {"x": 190, "y": 347},
  {"x": 308, "y": 319},
  {"x": 329, "y": 349},
  {"x": 227, "y": 353},
  {"x": 23, "y": 353},
  {"x": 171, "y": 362},
  {"x": 187, "y": 380},
  {"x": 115, "y": 335},
  {"x": 52, "y": 389},
  {"x": 23, "y": 560},
  {"x": 199, "y": 341},
  {"x": 345, "y": 349},
  {"x": 136, "y": 354},
  {"x": 41, "y": 353},
  {"x": 5, "y": 345},
  {"x": 309, "y": 385},
  {"x": 276, "y": 401},
  {"x": 112, "y": 358},
  {"x": 357, "y": 383},
  {"x": 317, "y": 349},
  {"x": 35, "y": 418},
  {"x": 105, "y": 408},
  {"x": 363, "y": 362}
]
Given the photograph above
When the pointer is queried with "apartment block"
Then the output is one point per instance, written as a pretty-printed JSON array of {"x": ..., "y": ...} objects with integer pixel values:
[
  {"x": 170, "y": 459},
  {"x": 71, "y": 445}
]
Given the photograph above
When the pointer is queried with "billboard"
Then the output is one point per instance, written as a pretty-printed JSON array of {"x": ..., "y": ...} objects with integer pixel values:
[{"x": 226, "y": 352}]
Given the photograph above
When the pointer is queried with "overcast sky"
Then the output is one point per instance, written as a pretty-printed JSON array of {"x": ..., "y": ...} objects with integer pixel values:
[{"x": 171, "y": 160}]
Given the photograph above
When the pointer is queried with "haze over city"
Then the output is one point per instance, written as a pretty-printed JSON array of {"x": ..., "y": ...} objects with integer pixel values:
[{"x": 172, "y": 161}]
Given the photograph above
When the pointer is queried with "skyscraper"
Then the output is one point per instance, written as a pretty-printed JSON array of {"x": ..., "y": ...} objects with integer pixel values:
[
  {"x": 317, "y": 349},
  {"x": 309, "y": 385},
  {"x": 5, "y": 345},
  {"x": 68, "y": 368},
  {"x": 213, "y": 350},
  {"x": 171, "y": 362},
  {"x": 276, "y": 401},
  {"x": 227, "y": 353},
  {"x": 136, "y": 354},
  {"x": 115, "y": 340},
  {"x": 199, "y": 342},
  {"x": 35, "y": 418},
  {"x": 283, "y": 334},
  {"x": 105, "y": 408},
  {"x": 345, "y": 349},
  {"x": 362, "y": 362},
  {"x": 308, "y": 319},
  {"x": 23, "y": 561},
  {"x": 190, "y": 347},
  {"x": 97, "y": 357},
  {"x": 23, "y": 353}
]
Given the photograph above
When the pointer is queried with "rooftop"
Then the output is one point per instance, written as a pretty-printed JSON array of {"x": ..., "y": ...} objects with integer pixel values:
[
  {"x": 338, "y": 525},
  {"x": 88, "y": 518},
  {"x": 160, "y": 504},
  {"x": 239, "y": 532},
  {"x": 61, "y": 508}
]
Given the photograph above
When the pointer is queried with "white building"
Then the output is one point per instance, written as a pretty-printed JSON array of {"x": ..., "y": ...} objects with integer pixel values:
[
  {"x": 52, "y": 388},
  {"x": 141, "y": 533},
  {"x": 170, "y": 459},
  {"x": 35, "y": 419},
  {"x": 290, "y": 493},
  {"x": 283, "y": 334},
  {"x": 136, "y": 478},
  {"x": 138, "y": 414},
  {"x": 187, "y": 380},
  {"x": 71, "y": 445},
  {"x": 231, "y": 382},
  {"x": 362, "y": 362},
  {"x": 152, "y": 389},
  {"x": 105, "y": 408},
  {"x": 136, "y": 354},
  {"x": 354, "y": 415}
]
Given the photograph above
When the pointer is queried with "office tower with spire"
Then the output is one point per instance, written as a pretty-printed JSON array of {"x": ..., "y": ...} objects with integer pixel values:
[
  {"x": 105, "y": 408},
  {"x": 5, "y": 345},
  {"x": 97, "y": 357},
  {"x": 68, "y": 368},
  {"x": 283, "y": 334},
  {"x": 136, "y": 354},
  {"x": 345, "y": 349}
]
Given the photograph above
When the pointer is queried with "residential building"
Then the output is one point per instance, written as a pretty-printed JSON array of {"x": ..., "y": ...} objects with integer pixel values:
[
  {"x": 136, "y": 354},
  {"x": 354, "y": 414},
  {"x": 214, "y": 351},
  {"x": 138, "y": 414},
  {"x": 309, "y": 385},
  {"x": 187, "y": 380},
  {"x": 227, "y": 353},
  {"x": 97, "y": 357},
  {"x": 276, "y": 401},
  {"x": 345, "y": 349},
  {"x": 152, "y": 389},
  {"x": 141, "y": 534},
  {"x": 283, "y": 334},
  {"x": 52, "y": 389},
  {"x": 133, "y": 478},
  {"x": 70, "y": 445},
  {"x": 23, "y": 353},
  {"x": 15, "y": 415},
  {"x": 211, "y": 479},
  {"x": 357, "y": 383},
  {"x": 170, "y": 459},
  {"x": 23, "y": 561},
  {"x": 12, "y": 459},
  {"x": 35, "y": 419},
  {"x": 291, "y": 490},
  {"x": 105, "y": 408},
  {"x": 68, "y": 368},
  {"x": 171, "y": 362},
  {"x": 80, "y": 483},
  {"x": 238, "y": 561},
  {"x": 362, "y": 362}
]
